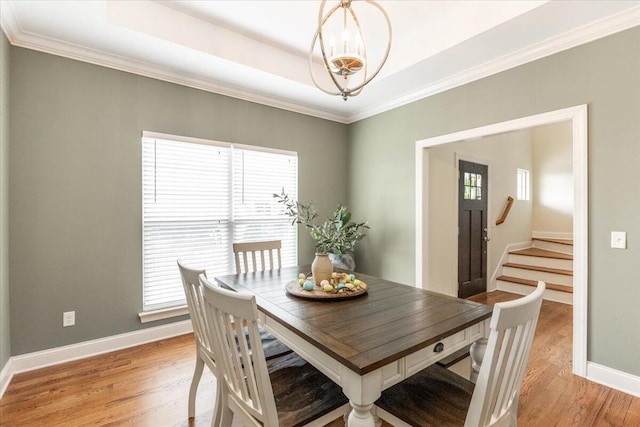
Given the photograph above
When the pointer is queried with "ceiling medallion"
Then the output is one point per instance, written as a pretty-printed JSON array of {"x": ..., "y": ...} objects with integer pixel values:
[{"x": 345, "y": 60}]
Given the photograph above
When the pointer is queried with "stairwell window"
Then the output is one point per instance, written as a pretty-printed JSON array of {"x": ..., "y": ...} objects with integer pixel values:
[
  {"x": 199, "y": 197},
  {"x": 523, "y": 184}
]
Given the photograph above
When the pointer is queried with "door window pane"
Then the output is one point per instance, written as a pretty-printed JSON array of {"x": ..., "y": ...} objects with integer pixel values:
[{"x": 472, "y": 186}]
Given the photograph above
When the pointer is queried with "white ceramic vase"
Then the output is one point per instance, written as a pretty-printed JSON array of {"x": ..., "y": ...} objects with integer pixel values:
[{"x": 321, "y": 268}]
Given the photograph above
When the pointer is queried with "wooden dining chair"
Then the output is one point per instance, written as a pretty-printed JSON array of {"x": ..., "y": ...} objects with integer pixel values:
[
  {"x": 290, "y": 392},
  {"x": 438, "y": 397},
  {"x": 273, "y": 348},
  {"x": 265, "y": 252}
]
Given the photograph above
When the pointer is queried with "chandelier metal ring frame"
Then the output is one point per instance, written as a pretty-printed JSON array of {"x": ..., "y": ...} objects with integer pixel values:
[{"x": 344, "y": 91}]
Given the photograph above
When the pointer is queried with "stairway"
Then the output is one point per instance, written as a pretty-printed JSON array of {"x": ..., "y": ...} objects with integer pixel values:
[{"x": 549, "y": 260}]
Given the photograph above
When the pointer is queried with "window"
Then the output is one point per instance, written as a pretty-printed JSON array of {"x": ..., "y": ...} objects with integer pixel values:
[
  {"x": 523, "y": 185},
  {"x": 472, "y": 186},
  {"x": 201, "y": 196}
]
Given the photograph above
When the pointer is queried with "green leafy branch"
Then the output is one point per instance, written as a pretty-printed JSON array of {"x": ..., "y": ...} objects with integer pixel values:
[{"x": 337, "y": 234}]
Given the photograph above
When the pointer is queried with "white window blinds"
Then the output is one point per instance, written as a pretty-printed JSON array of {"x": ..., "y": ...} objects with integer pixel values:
[{"x": 199, "y": 198}]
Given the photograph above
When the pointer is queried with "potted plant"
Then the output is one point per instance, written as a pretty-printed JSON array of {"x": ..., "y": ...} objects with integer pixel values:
[{"x": 335, "y": 237}]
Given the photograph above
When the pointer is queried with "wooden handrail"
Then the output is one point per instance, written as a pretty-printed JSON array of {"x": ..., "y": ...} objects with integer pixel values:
[{"x": 505, "y": 211}]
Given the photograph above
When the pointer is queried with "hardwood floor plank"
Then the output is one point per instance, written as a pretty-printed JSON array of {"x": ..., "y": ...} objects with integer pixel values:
[
  {"x": 632, "y": 417},
  {"x": 551, "y": 395},
  {"x": 148, "y": 385}
]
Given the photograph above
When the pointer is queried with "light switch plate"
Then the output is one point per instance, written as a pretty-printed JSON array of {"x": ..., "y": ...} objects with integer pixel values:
[{"x": 619, "y": 239}]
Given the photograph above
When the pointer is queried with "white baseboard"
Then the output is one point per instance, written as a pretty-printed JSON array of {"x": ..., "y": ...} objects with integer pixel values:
[
  {"x": 612, "y": 378},
  {"x": 5, "y": 377},
  {"x": 552, "y": 235},
  {"x": 493, "y": 283},
  {"x": 68, "y": 353},
  {"x": 600, "y": 374}
]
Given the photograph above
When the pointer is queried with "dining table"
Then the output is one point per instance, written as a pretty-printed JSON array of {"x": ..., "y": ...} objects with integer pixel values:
[{"x": 369, "y": 342}]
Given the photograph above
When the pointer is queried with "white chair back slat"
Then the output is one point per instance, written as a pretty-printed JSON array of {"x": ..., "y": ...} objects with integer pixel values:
[
  {"x": 193, "y": 295},
  {"x": 244, "y": 369},
  {"x": 495, "y": 397},
  {"x": 507, "y": 371},
  {"x": 247, "y": 253},
  {"x": 270, "y": 253}
]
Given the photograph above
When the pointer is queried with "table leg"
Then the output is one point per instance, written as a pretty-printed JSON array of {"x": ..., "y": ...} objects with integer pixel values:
[
  {"x": 477, "y": 355},
  {"x": 362, "y": 391},
  {"x": 360, "y": 416}
]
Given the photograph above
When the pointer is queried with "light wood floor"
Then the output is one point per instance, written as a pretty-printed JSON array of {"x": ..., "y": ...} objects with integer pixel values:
[{"x": 148, "y": 386}]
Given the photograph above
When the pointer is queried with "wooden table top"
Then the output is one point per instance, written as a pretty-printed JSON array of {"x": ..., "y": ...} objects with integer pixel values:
[{"x": 365, "y": 333}]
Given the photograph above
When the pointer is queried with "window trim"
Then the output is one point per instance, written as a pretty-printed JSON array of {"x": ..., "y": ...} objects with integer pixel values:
[{"x": 163, "y": 313}]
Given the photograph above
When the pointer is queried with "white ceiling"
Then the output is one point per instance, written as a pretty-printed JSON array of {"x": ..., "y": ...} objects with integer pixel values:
[{"x": 258, "y": 50}]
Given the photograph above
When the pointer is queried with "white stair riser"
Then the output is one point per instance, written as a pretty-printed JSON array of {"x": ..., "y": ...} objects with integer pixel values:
[
  {"x": 552, "y": 246},
  {"x": 563, "y": 264},
  {"x": 549, "y": 294},
  {"x": 558, "y": 279}
]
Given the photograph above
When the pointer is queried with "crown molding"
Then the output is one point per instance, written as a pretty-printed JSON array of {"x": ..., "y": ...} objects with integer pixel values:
[
  {"x": 587, "y": 33},
  {"x": 9, "y": 22},
  {"x": 21, "y": 38},
  {"x": 68, "y": 50}
]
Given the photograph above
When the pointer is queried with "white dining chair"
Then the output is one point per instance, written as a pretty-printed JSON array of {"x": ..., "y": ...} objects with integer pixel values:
[
  {"x": 290, "y": 392},
  {"x": 247, "y": 255},
  {"x": 204, "y": 345},
  {"x": 438, "y": 397},
  {"x": 273, "y": 348}
]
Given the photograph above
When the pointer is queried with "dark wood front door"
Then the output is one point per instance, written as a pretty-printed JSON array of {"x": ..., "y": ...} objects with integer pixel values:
[{"x": 472, "y": 228}]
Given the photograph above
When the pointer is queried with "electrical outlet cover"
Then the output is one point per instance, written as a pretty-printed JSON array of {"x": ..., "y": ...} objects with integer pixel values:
[
  {"x": 68, "y": 318},
  {"x": 619, "y": 239}
]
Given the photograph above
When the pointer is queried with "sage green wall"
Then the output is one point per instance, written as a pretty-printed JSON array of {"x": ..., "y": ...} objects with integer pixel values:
[
  {"x": 75, "y": 185},
  {"x": 5, "y": 337},
  {"x": 603, "y": 74}
]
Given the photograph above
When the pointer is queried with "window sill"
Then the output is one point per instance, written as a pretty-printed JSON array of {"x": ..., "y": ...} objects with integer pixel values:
[{"x": 165, "y": 313}]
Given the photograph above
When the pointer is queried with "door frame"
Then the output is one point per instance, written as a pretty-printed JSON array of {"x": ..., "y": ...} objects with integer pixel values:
[{"x": 578, "y": 115}]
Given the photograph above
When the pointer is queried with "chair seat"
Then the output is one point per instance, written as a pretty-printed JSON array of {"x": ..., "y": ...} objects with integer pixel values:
[
  {"x": 272, "y": 347},
  {"x": 434, "y": 397},
  {"x": 301, "y": 392}
]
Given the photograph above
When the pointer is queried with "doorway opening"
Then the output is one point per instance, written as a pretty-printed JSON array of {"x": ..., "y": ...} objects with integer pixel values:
[{"x": 578, "y": 118}]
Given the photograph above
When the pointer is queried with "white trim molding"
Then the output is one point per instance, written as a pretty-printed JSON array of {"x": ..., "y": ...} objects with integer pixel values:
[
  {"x": 493, "y": 285},
  {"x": 18, "y": 36},
  {"x": 578, "y": 116},
  {"x": 613, "y": 378},
  {"x": 585, "y": 34},
  {"x": 54, "y": 356},
  {"x": 552, "y": 235},
  {"x": 5, "y": 376},
  {"x": 165, "y": 313}
]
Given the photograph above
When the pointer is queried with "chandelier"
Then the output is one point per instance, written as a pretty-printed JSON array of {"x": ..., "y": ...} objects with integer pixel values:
[{"x": 345, "y": 60}]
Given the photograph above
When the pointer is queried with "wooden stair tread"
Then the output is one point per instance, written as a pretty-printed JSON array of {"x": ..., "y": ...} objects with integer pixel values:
[
  {"x": 537, "y": 252},
  {"x": 538, "y": 268},
  {"x": 534, "y": 283},
  {"x": 568, "y": 242}
]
